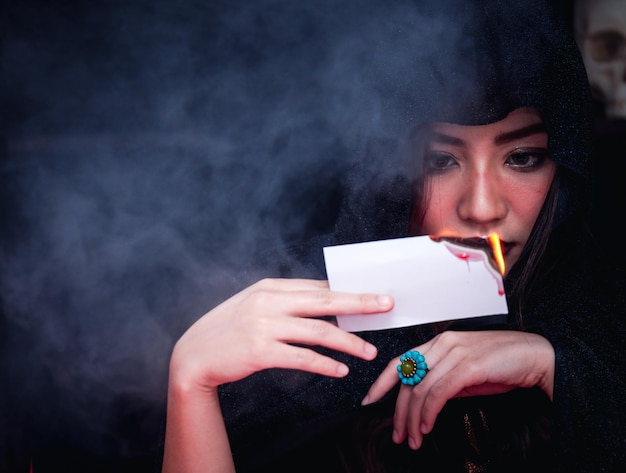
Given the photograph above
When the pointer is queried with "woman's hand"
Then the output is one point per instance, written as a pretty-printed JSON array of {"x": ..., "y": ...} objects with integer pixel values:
[
  {"x": 255, "y": 329},
  {"x": 465, "y": 364}
]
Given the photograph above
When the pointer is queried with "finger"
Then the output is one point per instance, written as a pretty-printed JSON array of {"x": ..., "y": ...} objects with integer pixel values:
[
  {"x": 322, "y": 333},
  {"x": 383, "y": 384},
  {"x": 461, "y": 377},
  {"x": 430, "y": 396},
  {"x": 282, "y": 285},
  {"x": 408, "y": 415},
  {"x": 401, "y": 413},
  {"x": 452, "y": 372},
  {"x": 319, "y": 302},
  {"x": 418, "y": 396},
  {"x": 304, "y": 359},
  {"x": 291, "y": 284}
]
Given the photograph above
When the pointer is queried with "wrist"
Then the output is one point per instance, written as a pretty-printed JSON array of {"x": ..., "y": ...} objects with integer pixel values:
[
  {"x": 187, "y": 376},
  {"x": 546, "y": 379}
]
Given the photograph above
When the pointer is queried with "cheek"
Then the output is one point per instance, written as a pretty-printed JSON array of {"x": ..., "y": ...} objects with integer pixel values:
[
  {"x": 440, "y": 210},
  {"x": 528, "y": 205},
  {"x": 527, "y": 198}
]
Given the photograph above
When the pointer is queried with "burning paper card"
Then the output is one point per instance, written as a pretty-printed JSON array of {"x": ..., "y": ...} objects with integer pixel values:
[{"x": 431, "y": 279}]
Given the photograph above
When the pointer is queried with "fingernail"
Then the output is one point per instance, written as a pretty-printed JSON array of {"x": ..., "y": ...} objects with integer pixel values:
[
  {"x": 342, "y": 370},
  {"x": 370, "y": 350},
  {"x": 423, "y": 429},
  {"x": 395, "y": 436},
  {"x": 365, "y": 401},
  {"x": 384, "y": 301},
  {"x": 412, "y": 443}
]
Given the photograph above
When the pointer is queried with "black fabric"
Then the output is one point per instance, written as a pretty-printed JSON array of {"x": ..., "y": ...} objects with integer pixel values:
[
  {"x": 362, "y": 442},
  {"x": 519, "y": 53},
  {"x": 579, "y": 306},
  {"x": 278, "y": 416}
]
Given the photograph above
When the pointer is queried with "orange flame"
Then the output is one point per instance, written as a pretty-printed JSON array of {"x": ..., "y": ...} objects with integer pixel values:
[{"x": 494, "y": 241}]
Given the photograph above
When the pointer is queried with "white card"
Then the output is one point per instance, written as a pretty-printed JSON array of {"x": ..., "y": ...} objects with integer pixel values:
[{"x": 430, "y": 281}]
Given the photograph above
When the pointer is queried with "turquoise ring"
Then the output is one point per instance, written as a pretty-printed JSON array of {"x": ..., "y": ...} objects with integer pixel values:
[{"x": 412, "y": 368}]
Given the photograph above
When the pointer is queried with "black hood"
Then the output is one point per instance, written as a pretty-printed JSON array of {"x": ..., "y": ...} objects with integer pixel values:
[{"x": 471, "y": 63}]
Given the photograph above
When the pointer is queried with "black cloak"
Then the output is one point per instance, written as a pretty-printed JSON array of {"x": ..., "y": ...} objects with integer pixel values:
[{"x": 479, "y": 61}]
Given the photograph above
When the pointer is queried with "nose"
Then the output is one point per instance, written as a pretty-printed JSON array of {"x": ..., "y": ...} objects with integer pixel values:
[{"x": 483, "y": 201}]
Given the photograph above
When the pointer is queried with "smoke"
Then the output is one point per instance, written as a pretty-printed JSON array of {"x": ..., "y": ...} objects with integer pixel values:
[{"x": 154, "y": 149}]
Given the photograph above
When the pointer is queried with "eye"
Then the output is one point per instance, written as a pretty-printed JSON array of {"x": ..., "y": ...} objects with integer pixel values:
[
  {"x": 526, "y": 160},
  {"x": 438, "y": 161}
]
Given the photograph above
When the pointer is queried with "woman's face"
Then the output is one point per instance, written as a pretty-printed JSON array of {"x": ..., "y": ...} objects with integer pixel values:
[{"x": 489, "y": 178}]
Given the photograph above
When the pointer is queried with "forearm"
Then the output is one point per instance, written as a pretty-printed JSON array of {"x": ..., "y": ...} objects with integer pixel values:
[{"x": 195, "y": 438}]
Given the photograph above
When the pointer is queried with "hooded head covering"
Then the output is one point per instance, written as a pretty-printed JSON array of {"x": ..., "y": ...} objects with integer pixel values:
[{"x": 471, "y": 63}]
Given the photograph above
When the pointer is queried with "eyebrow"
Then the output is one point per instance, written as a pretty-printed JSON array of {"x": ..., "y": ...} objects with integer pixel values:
[
  {"x": 499, "y": 139},
  {"x": 521, "y": 133}
]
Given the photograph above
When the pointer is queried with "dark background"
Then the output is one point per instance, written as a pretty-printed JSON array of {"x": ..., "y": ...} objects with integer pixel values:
[{"x": 149, "y": 151}]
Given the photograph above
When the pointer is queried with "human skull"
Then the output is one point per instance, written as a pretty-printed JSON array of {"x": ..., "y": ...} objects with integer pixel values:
[{"x": 600, "y": 27}]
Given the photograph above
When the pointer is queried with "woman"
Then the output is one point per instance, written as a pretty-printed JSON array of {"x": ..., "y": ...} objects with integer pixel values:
[{"x": 541, "y": 391}]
